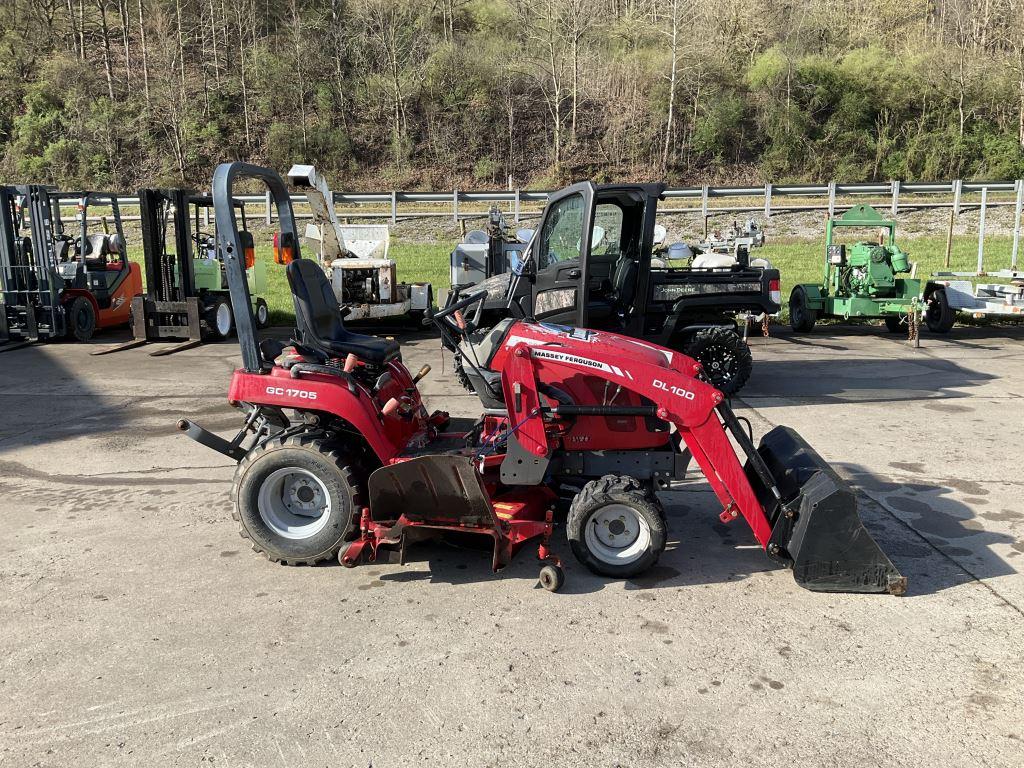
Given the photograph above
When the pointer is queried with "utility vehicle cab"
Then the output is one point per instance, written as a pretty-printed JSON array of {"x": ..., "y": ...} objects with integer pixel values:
[{"x": 589, "y": 265}]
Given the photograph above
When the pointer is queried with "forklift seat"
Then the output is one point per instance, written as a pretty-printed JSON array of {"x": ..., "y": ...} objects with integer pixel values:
[{"x": 319, "y": 322}]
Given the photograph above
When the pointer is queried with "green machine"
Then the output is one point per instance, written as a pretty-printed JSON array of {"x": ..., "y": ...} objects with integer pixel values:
[
  {"x": 186, "y": 296},
  {"x": 861, "y": 279}
]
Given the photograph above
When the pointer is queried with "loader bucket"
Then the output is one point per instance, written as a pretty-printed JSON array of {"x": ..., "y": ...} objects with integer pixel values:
[{"x": 816, "y": 529}]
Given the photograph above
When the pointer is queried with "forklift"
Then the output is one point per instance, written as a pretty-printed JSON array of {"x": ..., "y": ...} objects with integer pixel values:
[
  {"x": 186, "y": 296},
  {"x": 57, "y": 285}
]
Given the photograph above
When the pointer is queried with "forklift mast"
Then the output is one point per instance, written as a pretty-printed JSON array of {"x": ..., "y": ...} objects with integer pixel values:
[{"x": 156, "y": 208}]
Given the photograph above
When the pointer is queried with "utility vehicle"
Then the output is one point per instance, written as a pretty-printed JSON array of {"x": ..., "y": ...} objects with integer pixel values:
[{"x": 589, "y": 264}]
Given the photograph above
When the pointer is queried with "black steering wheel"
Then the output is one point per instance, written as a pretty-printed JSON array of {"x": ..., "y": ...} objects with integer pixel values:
[{"x": 451, "y": 317}]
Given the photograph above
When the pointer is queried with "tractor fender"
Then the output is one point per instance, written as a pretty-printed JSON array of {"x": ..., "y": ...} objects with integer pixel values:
[
  {"x": 321, "y": 393},
  {"x": 815, "y": 299}
]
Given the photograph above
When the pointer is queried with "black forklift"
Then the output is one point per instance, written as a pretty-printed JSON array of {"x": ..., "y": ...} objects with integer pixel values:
[
  {"x": 589, "y": 264},
  {"x": 57, "y": 284},
  {"x": 186, "y": 298}
]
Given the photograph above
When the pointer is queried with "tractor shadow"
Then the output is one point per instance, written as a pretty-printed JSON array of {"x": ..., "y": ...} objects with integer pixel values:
[
  {"x": 935, "y": 540},
  {"x": 701, "y": 550}
]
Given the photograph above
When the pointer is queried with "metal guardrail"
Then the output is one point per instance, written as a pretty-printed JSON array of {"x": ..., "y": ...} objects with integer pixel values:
[{"x": 834, "y": 197}]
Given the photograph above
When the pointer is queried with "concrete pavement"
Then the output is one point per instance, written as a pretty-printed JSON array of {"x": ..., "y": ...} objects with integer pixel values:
[{"x": 137, "y": 629}]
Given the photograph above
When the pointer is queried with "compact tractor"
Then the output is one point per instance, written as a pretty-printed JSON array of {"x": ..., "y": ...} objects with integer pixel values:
[
  {"x": 186, "y": 296},
  {"x": 58, "y": 285},
  {"x": 338, "y": 456},
  {"x": 605, "y": 277},
  {"x": 355, "y": 258},
  {"x": 862, "y": 280}
]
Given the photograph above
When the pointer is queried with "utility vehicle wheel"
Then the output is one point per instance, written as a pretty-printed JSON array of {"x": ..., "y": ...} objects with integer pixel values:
[
  {"x": 895, "y": 324},
  {"x": 220, "y": 318},
  {"x": 724, "y": 356},
  {"x": 460, "y": 373},
  {"x": 297, "y": 499},
  {"x": 262, "y": 314},
  {"x": 81, "y": 319},
  {"x": 552, "y": 577},
  {"x": 801, "y": 317},
  {"x": 615, "y": 527},
  {"x": 939, "y": 316}
]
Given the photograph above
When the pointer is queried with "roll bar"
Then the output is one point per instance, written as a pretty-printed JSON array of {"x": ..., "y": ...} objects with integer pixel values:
[{"x": 229, "y": 244}]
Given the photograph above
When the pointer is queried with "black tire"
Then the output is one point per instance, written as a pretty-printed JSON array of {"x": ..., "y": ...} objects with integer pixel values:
[
  {"x": 551, "y": 577},
  {"x": 262, "y": 314},
  {"x": 895, "y": 324},
  {"x": 638, "y": 554},
  {"x": 939, "y": 316},
  {"x": 724, "y": 356},
  {"x": 327, "y": 471},
  {"x": 801, "y": 317},
  {"x": 216, "y": 327},
  {"x": 460, "y": 373},
  {"x": 81, "y": 319}
]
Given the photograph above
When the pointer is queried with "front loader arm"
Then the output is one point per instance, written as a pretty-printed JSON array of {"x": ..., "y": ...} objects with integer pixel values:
[{"x": 688, "y": 403}]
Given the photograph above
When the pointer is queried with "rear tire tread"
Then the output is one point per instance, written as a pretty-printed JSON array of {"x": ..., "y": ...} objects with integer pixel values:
[{"x": 316, "y": 445}]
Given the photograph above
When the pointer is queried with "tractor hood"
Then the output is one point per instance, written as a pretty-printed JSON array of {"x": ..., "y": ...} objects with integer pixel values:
[{"x": 577, "y": 343}]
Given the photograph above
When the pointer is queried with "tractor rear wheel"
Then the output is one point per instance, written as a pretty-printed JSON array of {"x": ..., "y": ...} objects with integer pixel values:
[
  {"x": 724, "y": 356},
  {"x": 616, "y": 527},
  {"x": 297, "y": 499},
  {"x": 939, "y": 316},
  {"x": 801, "y": 317},
  {"x": 81, "y": 319},
  {"x": 895, "y": 324}
]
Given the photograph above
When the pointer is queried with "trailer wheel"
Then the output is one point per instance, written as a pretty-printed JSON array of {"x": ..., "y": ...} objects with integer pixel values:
[
  {"x": 220, "y": 319},
  {"x": 939, "y": 316},
  {"x": 551, "y": 577},
  {"x": 801, "y": 317},
  {"x": 895, "y": 324},
  {"x": 297, "y": 499},
  {"x": 724, "y": 356},
  {"x": 81, "y": 319},
  {"x": 262, "y": 314},
  {"x": 615, "y": 527}
]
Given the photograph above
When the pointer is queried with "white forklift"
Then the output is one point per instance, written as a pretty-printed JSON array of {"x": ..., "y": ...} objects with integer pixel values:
[{"x": 355, "y": 258}]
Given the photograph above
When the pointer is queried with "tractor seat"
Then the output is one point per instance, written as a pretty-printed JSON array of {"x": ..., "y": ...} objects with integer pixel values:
[
  {"x": 319, "y": 323},
  {"x": 486, "y": 382}
]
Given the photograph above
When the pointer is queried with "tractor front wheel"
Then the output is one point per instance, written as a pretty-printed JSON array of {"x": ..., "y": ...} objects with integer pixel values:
[
  {"x": 801, "y": 317},
  {"x": 615, "y": 527},
  {"x": 724, "y": 356},
  {"x": 939, "y": 316},
  {"x": 297, "y": 499},
  {"x": 81, "y": 319}
]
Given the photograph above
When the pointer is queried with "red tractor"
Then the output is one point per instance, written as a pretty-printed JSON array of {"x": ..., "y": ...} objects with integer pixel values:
[{"x": 338, "y": 456}]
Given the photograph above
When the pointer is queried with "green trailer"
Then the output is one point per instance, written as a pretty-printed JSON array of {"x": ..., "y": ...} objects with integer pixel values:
[{"x": 862, "y": 279}]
